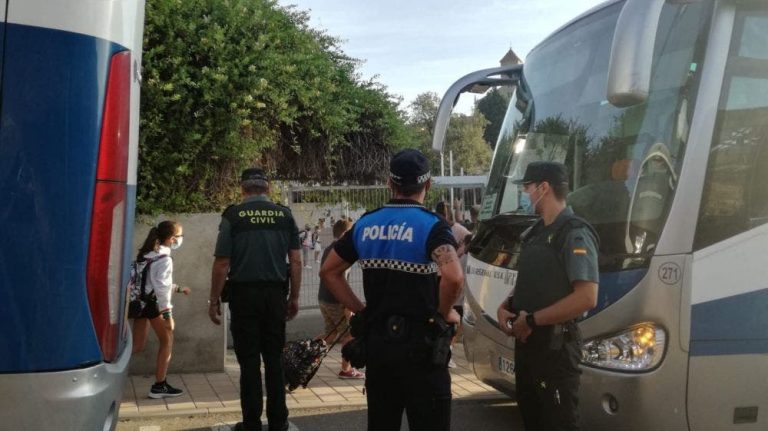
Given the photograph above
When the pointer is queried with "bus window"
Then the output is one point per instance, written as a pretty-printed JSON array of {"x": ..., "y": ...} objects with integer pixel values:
[{"x": 735, "y": 196}]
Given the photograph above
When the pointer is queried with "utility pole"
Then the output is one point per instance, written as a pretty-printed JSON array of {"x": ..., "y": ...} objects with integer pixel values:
[{"x": 450, "y": 167}]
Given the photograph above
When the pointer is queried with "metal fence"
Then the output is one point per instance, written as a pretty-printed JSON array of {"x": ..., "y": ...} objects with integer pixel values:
[
  {"x": 323, "y": 205},
  {"x": 310, "y": 285}
]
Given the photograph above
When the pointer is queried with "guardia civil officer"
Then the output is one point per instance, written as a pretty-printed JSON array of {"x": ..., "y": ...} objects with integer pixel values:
[
  {"x": 254, "y": 239},
  {"x": 557, "y": 283},
  {"x": 408, "y": 314}
]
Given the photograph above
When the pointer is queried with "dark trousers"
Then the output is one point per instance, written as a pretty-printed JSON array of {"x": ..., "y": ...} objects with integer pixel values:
[
  {"x": 425, "y": 396},
  {"x": 400, "y": 377},
  {"x": 258, "y": 330},
  {"x": 547, "y": 385}
]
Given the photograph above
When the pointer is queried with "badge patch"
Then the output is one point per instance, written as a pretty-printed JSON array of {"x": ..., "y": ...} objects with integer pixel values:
[{"x": 579, "y": 251}]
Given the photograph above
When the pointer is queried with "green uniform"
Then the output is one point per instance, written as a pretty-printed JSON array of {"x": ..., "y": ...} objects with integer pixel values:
[
  {"x": 553, "y": 258},
  {"x": 547, "y": 365},
  {"x": 256, "y": 235}
]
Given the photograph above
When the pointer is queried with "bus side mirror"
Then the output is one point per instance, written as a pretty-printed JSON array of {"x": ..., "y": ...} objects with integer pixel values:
[
  {"x": 629, "y": 69},
  {"x": 475, "y": 82}
]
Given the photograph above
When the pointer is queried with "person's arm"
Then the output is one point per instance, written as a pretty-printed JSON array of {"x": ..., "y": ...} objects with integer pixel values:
[
  {"x": 219, "y": 273},
  {"x": 161, "y": 277},
  {"x": 294, "y": 260},
  {"x": 333, "y": 275},
  {"x": 451, "y": 280},
  {"x": 462, "y": 233},
  {"x": 457, "y": 216},
  {"x": 582, "y": 299},
  {"x": 504, "y": 315}
]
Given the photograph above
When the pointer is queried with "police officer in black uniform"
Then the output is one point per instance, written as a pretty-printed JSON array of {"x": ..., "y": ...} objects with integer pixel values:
[
  {"x": 408, "y": 319},
  {"x": 557, "y": 283},
  {"x": 254, "y": 239}
]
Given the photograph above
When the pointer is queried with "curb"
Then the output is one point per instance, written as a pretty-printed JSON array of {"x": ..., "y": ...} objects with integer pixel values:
[{"x": 307, "y": 406}]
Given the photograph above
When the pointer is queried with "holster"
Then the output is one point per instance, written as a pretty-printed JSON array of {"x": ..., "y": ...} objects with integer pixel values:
[
  {"x": 354, "y": 352},
  {"x": 443, "y": 333},
  {"x": 562, "y": 333}
]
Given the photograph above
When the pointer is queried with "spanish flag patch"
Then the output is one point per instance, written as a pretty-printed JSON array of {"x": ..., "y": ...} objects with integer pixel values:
[{"x": 579, "y": 251}]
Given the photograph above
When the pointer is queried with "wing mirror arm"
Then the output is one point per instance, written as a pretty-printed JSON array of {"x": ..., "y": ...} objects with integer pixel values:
[{"x": 479, "y": 80}]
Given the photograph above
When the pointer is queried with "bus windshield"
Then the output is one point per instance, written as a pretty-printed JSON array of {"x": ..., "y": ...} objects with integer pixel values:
[{"x": 623, "y": 162}]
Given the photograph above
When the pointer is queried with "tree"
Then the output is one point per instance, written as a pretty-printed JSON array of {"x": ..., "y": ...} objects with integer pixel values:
[
  {"x": 236, "y": 83},
  {"x": 421, "y": 121},
  {"x": 465, "y": 139},
  {"x": 494, "y": 107},
  {"x": 464, "y": 136}
]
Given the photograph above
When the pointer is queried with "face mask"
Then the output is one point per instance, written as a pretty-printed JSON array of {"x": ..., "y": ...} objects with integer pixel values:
[
  {"x": 176, "y": 243},
  {"x": 526, "y": 206}
]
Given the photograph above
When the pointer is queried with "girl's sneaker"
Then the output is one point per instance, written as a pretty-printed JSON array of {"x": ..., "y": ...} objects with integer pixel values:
[{"x": 351, "y": 374}]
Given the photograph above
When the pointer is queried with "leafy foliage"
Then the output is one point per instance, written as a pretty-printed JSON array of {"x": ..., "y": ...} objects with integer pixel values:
[
  {"x": 235, "y": 83},
  {"x": 493, "y": 106},
  {"x": 464, "y": 136}
]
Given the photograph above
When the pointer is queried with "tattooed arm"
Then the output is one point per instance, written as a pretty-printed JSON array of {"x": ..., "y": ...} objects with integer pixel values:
[{"x": 451, "y": 280}]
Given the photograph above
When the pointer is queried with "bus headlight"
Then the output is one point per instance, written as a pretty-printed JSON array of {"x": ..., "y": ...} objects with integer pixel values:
[
  {"x": 469, "y": 316},
  {"x": 638, "y": 349}
]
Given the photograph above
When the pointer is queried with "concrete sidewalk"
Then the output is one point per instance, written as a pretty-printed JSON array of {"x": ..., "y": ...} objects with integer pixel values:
[{"x": 219, "y": 392}]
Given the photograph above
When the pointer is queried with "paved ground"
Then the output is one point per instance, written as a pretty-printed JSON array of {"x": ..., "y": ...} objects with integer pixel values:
[
  {"x": 218, "y": 393},
  {"x": 484, "y": 414}
]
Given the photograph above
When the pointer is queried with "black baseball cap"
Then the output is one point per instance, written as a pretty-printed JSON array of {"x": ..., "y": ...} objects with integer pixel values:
[
  {"x": 409, "y": 167},
  {"x": 254, "y": 174},
  {"x": 539, "y": 172}
]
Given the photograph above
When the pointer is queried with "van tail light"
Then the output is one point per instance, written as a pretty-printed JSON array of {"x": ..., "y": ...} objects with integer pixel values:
[{"x": 105, "y": 248}]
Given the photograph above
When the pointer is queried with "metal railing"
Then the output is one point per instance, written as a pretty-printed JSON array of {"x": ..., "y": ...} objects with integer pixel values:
[{"x": 310, "y": 285}]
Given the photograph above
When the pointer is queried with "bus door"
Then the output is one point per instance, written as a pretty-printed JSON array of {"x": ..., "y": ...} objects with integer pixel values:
[{"x": 728, "y": 362}]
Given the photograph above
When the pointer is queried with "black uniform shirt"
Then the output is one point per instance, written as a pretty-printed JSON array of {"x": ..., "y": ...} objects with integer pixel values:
[{"x": 394, "y": 246}]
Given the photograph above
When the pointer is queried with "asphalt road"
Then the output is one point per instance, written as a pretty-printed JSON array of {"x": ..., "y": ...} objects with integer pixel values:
[{"x": 467, "y": 415}]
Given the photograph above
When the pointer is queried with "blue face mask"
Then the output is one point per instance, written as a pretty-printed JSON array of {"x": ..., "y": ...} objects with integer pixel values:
[{"x": 526, "y": 206}]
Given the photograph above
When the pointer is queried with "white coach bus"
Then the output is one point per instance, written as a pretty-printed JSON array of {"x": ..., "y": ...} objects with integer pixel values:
[
  {"x": 69, "y": 115},
  {"x": 660, "y": 111}
]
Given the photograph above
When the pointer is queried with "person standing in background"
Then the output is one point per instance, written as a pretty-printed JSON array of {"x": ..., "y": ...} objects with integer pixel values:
[
  {"x": 334, "y": 312},
  {"x": 316, "y": 243},
  {"x": 458, "y": 230}
]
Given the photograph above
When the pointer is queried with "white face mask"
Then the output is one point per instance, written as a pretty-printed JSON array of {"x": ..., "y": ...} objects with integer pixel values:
[{"x": 176, "y": 243}]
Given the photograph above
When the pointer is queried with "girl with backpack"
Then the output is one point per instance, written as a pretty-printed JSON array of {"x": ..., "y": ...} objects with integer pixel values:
[{"x": 155, "y": 255}]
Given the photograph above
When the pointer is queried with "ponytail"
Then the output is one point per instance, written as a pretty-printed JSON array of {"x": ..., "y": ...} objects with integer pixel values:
[
  {"x": 150, "y": 244},
  {"x": 156, "y": 236}
]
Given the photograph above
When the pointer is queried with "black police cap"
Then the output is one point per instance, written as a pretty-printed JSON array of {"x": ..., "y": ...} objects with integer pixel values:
[
  {"x": 253, "y": 174},
  {"x": 539, "y": 172},
  {"x": 409, "y": 167}
]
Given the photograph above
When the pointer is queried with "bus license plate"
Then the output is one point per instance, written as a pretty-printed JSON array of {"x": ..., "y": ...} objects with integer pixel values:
[{"x": 506, "y": 366}]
